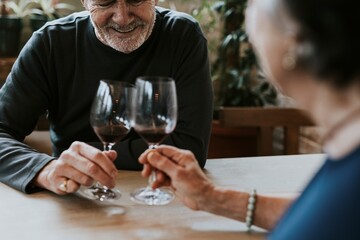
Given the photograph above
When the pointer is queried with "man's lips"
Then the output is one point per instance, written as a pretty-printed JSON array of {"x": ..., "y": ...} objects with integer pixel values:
[{"x": 125, "y": 30}]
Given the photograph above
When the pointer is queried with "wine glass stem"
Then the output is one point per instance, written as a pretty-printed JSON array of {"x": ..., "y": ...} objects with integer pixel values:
[
  {"x": 152, "y": 177},
  {"x": 107, "y": 147}
]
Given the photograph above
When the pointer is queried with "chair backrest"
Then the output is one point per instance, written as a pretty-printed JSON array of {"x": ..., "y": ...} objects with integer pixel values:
[
  {"x": 265, "y": 120},
  {"x": 5, "y": 68}
]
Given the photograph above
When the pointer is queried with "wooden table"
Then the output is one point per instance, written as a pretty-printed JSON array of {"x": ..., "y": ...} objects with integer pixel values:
[{"x": 47, "y": 216}]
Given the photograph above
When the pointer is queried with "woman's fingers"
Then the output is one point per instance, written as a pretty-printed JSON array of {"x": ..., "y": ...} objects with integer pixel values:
[
  {"x": 167, "y": 159},
  {"x": 179, "y": 169},
  {"x": 161, "y": 180},
  {"x": 143, "y": 156},
  {"x": 146, "y": 170},
  {"x": 179, "y": 156},
  {"x": 162, "y": 163}
]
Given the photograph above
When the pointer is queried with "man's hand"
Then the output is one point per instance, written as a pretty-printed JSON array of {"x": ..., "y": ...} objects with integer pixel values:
[{"x": 81, "y": 164}]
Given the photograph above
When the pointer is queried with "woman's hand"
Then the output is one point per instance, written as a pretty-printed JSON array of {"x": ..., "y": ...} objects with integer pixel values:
[
  {"x": 179, "y": 169},
  {"x": 81, "y": 164}
]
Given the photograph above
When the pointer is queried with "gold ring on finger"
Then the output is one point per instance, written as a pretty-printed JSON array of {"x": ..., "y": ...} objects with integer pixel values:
[{"x": 63, "y": 185}]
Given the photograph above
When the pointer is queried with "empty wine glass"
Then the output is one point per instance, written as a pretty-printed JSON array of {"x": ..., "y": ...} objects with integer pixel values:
[
  {"x": 155, "y": 118},
  {"x": 111, "y": 118}
]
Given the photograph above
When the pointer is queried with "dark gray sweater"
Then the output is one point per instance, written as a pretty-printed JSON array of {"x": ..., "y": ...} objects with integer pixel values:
[{"x": 58, "y": 72}]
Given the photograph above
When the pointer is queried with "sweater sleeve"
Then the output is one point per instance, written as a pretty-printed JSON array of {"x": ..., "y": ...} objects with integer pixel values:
[{"x": 22, "y": 101}]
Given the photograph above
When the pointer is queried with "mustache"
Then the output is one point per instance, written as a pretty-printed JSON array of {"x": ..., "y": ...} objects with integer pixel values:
[{"x": 126, "y": 28}]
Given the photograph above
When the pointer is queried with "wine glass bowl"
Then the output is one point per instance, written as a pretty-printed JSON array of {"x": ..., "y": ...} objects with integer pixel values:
[
  {"x": 155, "y": 117},
  {"x": 111, "y": 118}
]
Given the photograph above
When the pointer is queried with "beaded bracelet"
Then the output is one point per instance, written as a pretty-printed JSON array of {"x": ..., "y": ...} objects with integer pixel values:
[{"x": 250, "y": 209}]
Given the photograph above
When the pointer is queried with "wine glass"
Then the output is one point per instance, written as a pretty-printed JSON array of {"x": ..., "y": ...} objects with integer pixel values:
[
  {"x": 155, "y": 118},
  {"x": 111, "y": 118}
]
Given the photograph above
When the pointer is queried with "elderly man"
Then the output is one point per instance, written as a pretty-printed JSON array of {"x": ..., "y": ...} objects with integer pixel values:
[{"x": 58, "y": 72}]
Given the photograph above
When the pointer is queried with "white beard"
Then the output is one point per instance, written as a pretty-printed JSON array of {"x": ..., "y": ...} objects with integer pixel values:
[{"x": 129, "y": 44}]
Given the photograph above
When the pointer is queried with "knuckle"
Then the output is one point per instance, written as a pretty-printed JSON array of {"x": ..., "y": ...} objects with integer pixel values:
[
  {"x": 55, "y": 171},
  {"x": 177, "y": 174},
  {"x": 188, "y": 153},
  {"x": 51, "y": 176},
  {"x": 98, "y": 155},
  {"x": 91, "y": 168},
  {"x": 85, "y": 180},
  {"x": 161, "y": 163},
  {"x": 60, "y": 163},
  {"x": 65, "y": 155},
  {"x": 73, "y": 186},
  {"x": 75, "y": 145}
]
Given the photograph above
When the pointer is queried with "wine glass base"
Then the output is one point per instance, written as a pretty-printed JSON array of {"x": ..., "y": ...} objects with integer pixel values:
[
  {"x": 100, "y": 193},
  {"x": 149, "y": 196}
]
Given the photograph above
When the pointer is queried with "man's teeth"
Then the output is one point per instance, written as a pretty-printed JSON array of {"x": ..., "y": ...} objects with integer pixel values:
[{"x": 125, "y": 30}]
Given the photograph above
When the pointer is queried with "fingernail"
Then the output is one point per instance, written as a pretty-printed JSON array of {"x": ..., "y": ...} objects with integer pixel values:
[{"x": 111, "y": 184}]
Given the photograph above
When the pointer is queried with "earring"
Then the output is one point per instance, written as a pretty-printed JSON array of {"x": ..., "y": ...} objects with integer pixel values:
[{"x": 289, "y": 61}]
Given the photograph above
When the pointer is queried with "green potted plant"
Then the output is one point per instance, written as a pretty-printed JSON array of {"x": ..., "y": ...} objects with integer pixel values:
[
  {"x": 19, "y": 18},
  {"x": 237, "y": 78},
  {"x": 11, "y": 25},
  {"x": 20, "y": 8},
  {"x": 46, "y": 10},
  {"x": 238, "y": 82}
]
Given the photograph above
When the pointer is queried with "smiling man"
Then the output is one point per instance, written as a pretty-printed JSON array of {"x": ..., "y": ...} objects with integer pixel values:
[
  {"x": 58, "y": 72},
  {"x": 122, "y": 25}
]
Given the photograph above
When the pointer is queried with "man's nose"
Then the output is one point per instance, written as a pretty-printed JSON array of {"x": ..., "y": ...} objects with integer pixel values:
[{"x": 122, "y": 14}]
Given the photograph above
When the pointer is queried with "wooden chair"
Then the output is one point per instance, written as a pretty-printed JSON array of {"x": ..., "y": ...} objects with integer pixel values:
[
  {"x": 265, "y": 120},
  {"x": 5, "y": 68}
]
